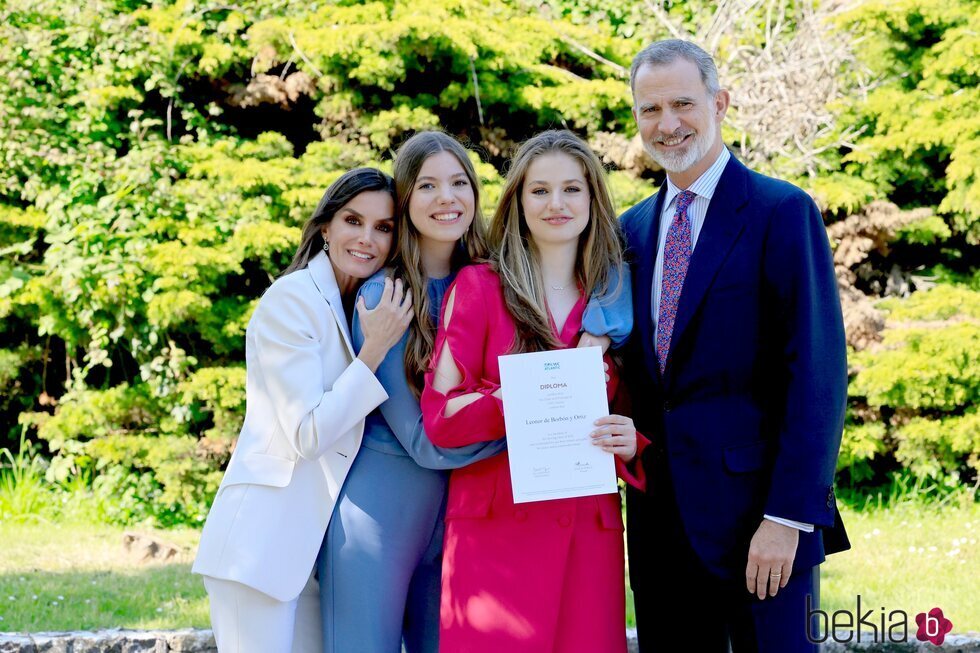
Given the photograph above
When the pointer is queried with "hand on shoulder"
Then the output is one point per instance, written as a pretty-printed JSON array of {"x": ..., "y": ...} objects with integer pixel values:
[
  {"x": 373, "y": 288},
  {"x": 384, "y": 325}
]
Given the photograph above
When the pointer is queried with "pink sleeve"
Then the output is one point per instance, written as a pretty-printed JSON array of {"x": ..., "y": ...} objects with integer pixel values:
[
  {"x": 633, "y": 471},
  {"x": 466, "y": 336}
]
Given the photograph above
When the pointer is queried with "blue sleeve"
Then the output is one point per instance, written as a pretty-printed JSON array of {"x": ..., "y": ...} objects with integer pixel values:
[
  {"x": 808, "y": 336},
  {"x": 612, "y": 313},
  {"x": 401, "y": 411}
]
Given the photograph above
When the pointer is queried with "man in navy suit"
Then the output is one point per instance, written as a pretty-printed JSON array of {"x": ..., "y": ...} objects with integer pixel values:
[{"x": 737, "y": 372}]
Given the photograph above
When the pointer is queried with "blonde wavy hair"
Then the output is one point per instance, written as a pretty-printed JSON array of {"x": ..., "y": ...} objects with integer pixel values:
[{"x": 516, "y": 259}]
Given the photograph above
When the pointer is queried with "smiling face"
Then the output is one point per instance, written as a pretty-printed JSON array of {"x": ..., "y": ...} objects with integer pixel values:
[
  {"x": 360, "y": 236},
  {"x": 442, "y": 203},
  {"x": 678, "y": 119},
  {"x": 556, "y": 199}
]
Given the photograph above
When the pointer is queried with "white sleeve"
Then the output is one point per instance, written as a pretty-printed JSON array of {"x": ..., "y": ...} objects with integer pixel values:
[
  {"x": 798, "y": 525},
  {"x": 312, "y": 413}
]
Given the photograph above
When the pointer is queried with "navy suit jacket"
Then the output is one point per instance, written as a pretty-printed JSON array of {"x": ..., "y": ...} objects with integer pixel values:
[{"x": 750, "y": 409}]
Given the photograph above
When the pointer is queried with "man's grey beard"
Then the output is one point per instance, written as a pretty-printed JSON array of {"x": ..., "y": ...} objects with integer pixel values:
[{"x": 681, "y": 161}]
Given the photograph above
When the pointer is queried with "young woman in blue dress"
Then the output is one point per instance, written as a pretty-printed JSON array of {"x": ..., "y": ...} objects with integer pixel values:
[{"x": 380, "y": 564}]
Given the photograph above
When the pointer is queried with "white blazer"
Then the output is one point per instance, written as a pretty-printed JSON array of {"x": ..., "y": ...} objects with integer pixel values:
[{"x": 306, "y": 400}]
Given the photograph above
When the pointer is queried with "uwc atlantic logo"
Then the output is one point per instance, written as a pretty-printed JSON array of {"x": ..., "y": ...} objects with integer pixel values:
[
  {"x": 874, "y": 625},
  {"x": 552, "y": 366}
]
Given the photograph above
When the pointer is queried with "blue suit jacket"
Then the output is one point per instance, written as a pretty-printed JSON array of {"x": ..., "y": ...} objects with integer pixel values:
[{"x": 750, "y": 409}]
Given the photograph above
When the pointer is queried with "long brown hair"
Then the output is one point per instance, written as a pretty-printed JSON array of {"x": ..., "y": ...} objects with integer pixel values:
[
  {"x": 408, "y": 261},
  {"x": 516, "y": 258},
  {"x": 348, "y": 186}
]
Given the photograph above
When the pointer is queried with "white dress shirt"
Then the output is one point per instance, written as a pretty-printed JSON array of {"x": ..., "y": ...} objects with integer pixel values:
[{"x": 703, "y": 189}]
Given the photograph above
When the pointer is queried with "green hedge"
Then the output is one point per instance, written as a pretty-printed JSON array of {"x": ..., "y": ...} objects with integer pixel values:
[{"x": 157, "y": 161}]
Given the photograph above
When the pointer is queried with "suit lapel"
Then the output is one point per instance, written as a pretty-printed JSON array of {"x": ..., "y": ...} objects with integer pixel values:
[
  {"x": 322, "y": 273},
  {"x": 722, "y": 225},
  {"x": 648, "y": 234}
]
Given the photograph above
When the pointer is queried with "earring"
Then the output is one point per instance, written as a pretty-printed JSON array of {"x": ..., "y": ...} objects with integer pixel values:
[{"x": 326, "y": 247}]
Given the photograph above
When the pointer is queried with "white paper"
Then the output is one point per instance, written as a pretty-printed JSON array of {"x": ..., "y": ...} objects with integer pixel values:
[{"x": 551, "y": 401}]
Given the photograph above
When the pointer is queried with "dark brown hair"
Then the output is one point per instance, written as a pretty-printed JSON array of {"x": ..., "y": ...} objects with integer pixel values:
[{"x": 348, "y": 186}]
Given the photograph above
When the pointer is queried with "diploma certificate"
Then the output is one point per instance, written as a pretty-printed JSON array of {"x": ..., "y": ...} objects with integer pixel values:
[{"x": 551, "y": 399}]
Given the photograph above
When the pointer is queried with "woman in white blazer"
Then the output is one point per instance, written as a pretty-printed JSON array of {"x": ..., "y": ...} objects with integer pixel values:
[{"x": 307, "y": 395}]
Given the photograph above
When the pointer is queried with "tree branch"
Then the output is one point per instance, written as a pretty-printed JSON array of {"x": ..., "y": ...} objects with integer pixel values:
[{"x": 302, "y": 55}]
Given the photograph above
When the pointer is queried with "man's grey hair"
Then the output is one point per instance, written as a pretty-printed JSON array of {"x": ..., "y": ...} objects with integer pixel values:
[{"x": 662, "y": 53}]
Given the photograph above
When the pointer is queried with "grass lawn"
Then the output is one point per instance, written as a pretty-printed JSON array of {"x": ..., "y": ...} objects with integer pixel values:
[
  {"x": 63, "y": 577},
  {"x": 910, "y": 558},
  {"x": 79, "y": 577}
]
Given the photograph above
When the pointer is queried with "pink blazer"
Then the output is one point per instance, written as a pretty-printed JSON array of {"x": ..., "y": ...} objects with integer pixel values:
[{"x": 504, "y": 564}]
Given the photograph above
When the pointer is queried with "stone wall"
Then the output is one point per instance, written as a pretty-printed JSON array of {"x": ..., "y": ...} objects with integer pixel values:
[
  {"x": 111, "y": 641},
  {"x": 201, "y": 641}
]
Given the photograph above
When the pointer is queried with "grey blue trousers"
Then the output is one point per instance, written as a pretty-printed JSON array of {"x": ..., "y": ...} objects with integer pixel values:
[{"x": 380, "y": 564}]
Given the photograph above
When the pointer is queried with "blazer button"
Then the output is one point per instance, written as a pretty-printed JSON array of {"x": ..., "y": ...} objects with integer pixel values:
[
  {"x": 830, "y": 498},
  {"x": 668, "y": 405},
  {"x": 520, "y": 515},
  {"x": 565, "y": 521}
]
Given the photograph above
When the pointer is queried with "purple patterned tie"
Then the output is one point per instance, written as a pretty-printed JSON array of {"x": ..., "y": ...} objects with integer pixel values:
[{"x": 677, "y": 257}]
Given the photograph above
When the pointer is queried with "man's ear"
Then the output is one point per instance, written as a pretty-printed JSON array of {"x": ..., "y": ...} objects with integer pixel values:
[{"x": 722, "y": 102}]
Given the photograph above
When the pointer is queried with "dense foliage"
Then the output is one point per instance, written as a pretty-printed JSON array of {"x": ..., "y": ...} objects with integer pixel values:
[
  {"x": 914, "y": 394},
  {"x": 157, "y": 160}
]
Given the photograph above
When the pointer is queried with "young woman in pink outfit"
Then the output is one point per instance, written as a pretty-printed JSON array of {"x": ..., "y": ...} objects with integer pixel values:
[{"x": 547, "y": 575}]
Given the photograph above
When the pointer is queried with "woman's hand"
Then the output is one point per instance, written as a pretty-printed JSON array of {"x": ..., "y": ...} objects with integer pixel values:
[
  {"x": 617, "y": 435},
  {"x": 589, "y": 340},
  {"x": 384, "y": 325}
]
